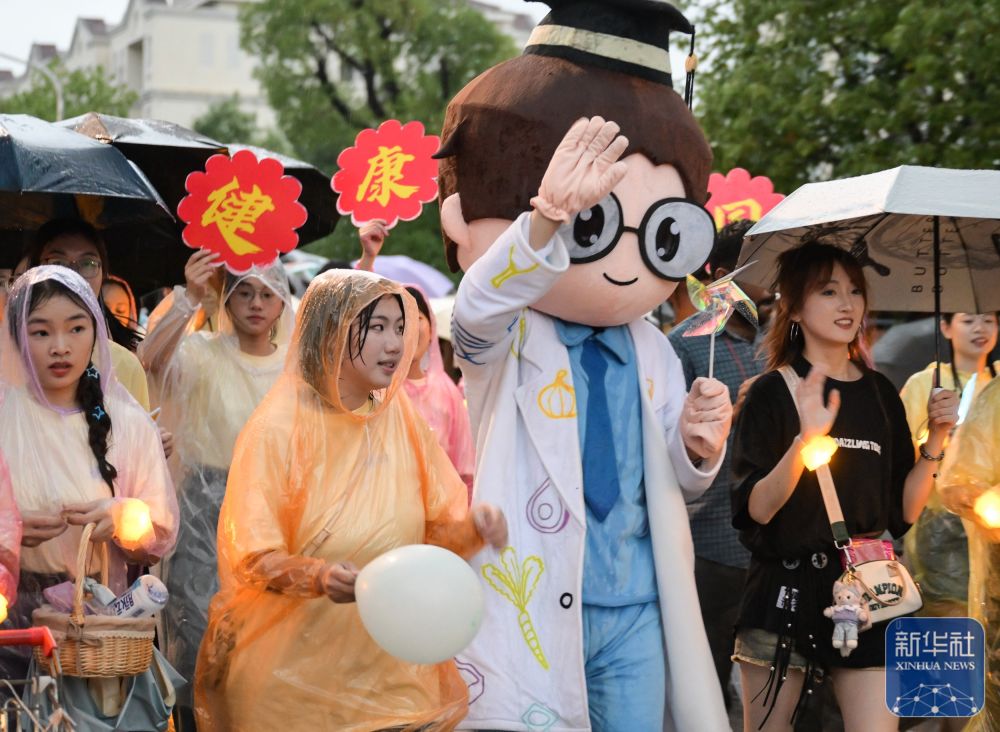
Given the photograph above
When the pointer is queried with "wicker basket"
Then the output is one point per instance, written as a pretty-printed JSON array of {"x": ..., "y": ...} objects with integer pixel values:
[{"x": 92, "y": 646}]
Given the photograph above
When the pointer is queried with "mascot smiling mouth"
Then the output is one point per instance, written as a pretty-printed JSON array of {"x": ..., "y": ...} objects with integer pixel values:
[{"x": 618, "y": 282}]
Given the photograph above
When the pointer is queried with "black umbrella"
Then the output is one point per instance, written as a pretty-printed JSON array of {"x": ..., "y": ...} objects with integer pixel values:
[
  {"x": 164, "y": 151},
  {"x": 317, "y": 196},
  {"x": 47, "y": 172}
]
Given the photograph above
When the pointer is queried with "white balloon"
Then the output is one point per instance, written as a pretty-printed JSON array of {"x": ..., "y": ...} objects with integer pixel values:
[{"x": 420, "y": 603}]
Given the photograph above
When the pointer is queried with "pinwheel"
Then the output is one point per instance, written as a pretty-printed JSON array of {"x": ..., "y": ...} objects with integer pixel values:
[{"x": 716, "y": 303}]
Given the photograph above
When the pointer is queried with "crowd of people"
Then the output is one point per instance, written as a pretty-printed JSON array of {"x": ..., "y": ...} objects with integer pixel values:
[
  {"x": 630, "y": 479},
  {"x": 319, "y": 439}
]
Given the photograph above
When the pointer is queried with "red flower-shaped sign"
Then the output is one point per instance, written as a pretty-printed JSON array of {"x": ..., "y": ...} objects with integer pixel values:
[
  {"x": 244, "y": 209},
  {"x": 738, "y": 196},
  {"x": 389, "y": 174}
]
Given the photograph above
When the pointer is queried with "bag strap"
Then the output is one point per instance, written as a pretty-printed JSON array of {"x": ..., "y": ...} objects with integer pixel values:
[{"x": 834, "y": 514}]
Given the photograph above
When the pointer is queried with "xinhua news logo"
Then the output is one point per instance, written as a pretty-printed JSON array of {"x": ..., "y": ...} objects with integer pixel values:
[{"x": 935, "y": 667}]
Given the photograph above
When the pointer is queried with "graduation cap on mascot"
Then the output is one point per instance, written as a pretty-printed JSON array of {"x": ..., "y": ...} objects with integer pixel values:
[{"x": 607, "y": 58}]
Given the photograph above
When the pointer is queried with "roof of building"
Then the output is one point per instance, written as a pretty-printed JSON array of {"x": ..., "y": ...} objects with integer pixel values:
[{"x": 96, "y": 26}]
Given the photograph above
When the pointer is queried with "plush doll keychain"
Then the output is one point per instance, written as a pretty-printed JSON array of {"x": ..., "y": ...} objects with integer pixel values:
[{"x": 848, "y": 613}]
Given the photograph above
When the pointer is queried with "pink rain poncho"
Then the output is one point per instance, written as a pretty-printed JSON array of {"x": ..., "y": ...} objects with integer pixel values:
[
  {"x": 49, "y": 455},
  {"x": 207, "y": 388},
  {"x": 10, "y": 540},
  {"x": 440, "y": 402},
  {"x": 312, "y": 484}
]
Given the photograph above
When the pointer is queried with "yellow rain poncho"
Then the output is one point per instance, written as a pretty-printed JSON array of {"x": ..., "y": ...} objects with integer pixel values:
[
  {"x": 971, "y": 471},
  {"x": 208, "y": 388},
  {"x": 936, "y": 546},
  {"x": 313, "y": 484}
]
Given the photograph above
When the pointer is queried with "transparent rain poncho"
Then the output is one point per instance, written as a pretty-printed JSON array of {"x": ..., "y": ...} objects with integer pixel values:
[
  {"x": 971, "y": 471},
  {"x": 10, "y": 538},
  {"x": 207, "y": 388},
  {"x": 312, "y": 484},
  {"x": 936, "y": 547},
  {"x": 48, "y": 452},
  {"x": 440, "y": 402}
]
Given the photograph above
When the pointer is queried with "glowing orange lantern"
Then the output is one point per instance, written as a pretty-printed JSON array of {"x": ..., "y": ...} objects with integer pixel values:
[
  {"x": 132, "y": 523},
  {"x": 987, "y": 508},
  {"x": 818, "y": 451},
  {"x": 3, "y": 608}
]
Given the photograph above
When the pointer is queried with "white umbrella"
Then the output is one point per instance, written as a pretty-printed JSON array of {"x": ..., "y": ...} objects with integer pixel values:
[{"x": 928, "y": 238}]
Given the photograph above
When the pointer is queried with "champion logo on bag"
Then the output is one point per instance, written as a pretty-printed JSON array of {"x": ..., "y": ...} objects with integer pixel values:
[{"x": 887, "y": 591}]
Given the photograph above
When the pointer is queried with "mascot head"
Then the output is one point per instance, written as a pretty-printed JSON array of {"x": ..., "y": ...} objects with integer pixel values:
[{"x": 586, "y": 58}]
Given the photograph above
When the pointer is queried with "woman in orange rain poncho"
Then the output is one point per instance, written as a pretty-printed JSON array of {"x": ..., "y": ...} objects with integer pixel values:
[{"x": 333, "y": 469}]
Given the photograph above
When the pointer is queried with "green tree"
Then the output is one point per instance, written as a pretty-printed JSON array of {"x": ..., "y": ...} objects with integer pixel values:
[
  {"x": 84, "y": 90},
  {"x": 803, "y": 90},
  {"x": 225, "y": 121},
  {"x": 334, "y": 67}
]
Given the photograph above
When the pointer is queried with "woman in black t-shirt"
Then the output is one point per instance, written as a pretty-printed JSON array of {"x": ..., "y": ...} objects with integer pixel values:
[{"x": 783, "y": 641}]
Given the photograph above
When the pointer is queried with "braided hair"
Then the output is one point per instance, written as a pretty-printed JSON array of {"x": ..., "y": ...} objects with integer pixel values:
[
  {"x": 90, "y": 397},
  {"x": 89, "y": 394}
]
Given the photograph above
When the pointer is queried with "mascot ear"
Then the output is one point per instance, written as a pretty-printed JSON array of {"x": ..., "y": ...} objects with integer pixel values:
[{"x": 453, "y": 222}]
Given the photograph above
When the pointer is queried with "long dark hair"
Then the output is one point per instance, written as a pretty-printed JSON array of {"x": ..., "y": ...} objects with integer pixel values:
[
  {"x": 89, "y": 395},
  {"x": 120, "y": 334},
  {"x": 802, "y": 271}
]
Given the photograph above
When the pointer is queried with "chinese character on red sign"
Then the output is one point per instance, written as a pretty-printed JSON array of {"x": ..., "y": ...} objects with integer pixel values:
[
  {"x": 737, "y": 196},
  {"x": 246, "y": 210},
  {"x": 389, "y": 174}
]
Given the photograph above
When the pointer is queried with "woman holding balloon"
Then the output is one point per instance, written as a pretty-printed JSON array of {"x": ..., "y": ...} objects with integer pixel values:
[{"x": 334, "y": 469}]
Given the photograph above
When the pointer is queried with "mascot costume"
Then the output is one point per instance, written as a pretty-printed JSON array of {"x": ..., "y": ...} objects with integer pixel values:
[{"x": 572, "y": 183}]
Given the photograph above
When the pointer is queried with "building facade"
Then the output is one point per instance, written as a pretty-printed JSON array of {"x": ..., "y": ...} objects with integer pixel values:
[{"x": 183, "y": 56}]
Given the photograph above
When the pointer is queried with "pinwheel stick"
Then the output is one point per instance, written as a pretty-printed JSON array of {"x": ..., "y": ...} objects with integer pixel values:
[{"x": 711, "y": 356}]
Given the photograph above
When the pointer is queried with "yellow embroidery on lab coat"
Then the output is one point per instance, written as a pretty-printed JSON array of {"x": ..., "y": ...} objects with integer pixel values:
[
  {"x": 558, "y": 399},
  {"x": 511, "y": 271},
  {"x": 649, "y": 388},
  {"x": 516, "y": 582},
  {"x": 515, "y": 346}
]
